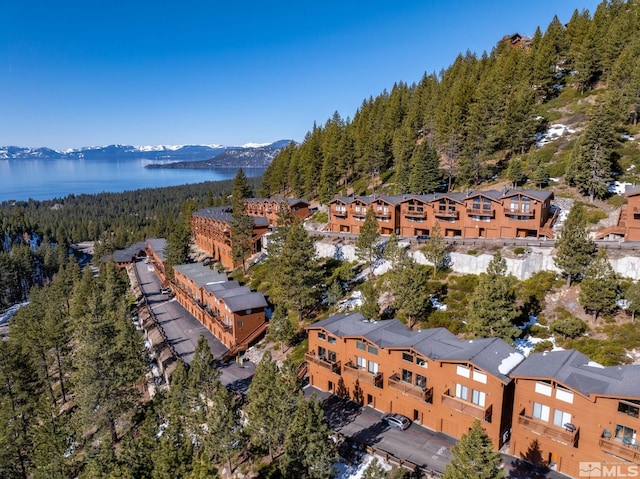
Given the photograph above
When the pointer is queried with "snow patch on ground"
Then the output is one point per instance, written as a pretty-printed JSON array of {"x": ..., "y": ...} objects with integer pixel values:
[
  {"x": 9, "y": 313},
  {"x": 355, "y": 471},
  {"x": 615, "y": 187},
  {"x": 525, "y": 345},
  {"x": 555, "y": 131},
  {"x": 354, "y": 301}
]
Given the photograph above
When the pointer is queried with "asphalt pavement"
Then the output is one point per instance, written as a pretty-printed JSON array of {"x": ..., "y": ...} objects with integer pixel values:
[{"x": 183, "y": 331}]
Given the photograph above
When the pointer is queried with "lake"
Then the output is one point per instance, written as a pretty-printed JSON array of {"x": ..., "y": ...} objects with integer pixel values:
[{"x": 46, "y": 179}]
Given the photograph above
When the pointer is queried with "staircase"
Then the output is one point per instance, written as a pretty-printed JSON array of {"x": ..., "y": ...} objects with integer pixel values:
[
  {"x": 619, "y": 229},
  {"x": 246, "y": 342}
]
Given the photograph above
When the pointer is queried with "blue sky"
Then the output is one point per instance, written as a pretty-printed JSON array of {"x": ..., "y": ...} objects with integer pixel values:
[{"x": 83, "y": 73}]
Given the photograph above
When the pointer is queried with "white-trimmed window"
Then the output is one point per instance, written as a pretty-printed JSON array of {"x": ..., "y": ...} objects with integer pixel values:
[
  {"x": 560, "y": 418},
  {"x": 463, "y": 371},
  {"x": 361, "y": 362},
  {"x": 540, "y": 411},
  {"x": 462, "y": 392},
  {"x": 543, "y": 388},
  {"x": 373, "y": 367},
  {"x": 479, "y": 376},
  {"x": 564, "y": 395},
  {"x": 478, "y": 398}
]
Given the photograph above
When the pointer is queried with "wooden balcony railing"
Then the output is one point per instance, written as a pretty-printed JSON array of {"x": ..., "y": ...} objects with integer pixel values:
[
  {"x": 413, "y": 213},
  {"x": 424, "y": 394},
  {"x": 447, "y": 214},
  {"x": 333, "y": 367},
  {"x": 559, "y": 434},
  {"x": 519, "y": 212},
  {"x": 467, "y": 407},
  {"x": 630, "y": 452},
  {"x": 364, "y": 376},
  {"x": 481, "y": 212},
  {"x": 339, "y": 213}
]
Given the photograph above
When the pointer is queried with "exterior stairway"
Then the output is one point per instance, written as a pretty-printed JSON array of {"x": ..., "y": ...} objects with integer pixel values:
[{"x": 619, "y": 229}]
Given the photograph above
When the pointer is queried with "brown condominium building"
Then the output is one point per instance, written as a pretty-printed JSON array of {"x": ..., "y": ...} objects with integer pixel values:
[
  {"x": 430, "y": 376},
  {"x": 627, "y": 226},
  {"x": 474, "y": 214},
  {"x": 211, "y": 227},
  {"x": 234, "y": 314},
  {"x": 576, "y": 414}
]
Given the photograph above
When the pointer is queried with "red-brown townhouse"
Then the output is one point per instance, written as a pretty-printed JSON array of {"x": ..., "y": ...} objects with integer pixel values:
[
  {"x": 431, "y": 376},
  {"x": 573, "y": 414}
]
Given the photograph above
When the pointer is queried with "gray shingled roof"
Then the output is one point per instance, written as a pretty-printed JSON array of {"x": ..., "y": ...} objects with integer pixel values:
[
  {"x": 127, "y": 254},
  {"x": 631, "y": 190},
  {"x": 491, "y": 354},
  {"x": 158, "y": 245},
  {"x": 222, "y": 286},
  {"x": 245, "y": 301},
  {"x": 229, "y": 293},
  {"x": 576, "y": 371},
  {"x": 540, "y": 195},
  {"x": 200, "y": 274},
  {"x": 224, "y": 214}
]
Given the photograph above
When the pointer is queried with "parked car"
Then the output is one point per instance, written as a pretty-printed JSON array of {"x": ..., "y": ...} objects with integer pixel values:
[
  {"x": 165, "y": 291},
  {"x": 422, "y": 238},
  {"x": 396, "y": 420}
]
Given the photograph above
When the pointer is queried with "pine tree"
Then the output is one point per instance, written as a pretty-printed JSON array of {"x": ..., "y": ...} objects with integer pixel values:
[
  {"x": 269, "y": 407},
  {"x": 223, "y": 434},
  {"x": 374, "y": 470},
  {"x": 539, "y": 177},
  {"x": 281, "y": 329},
  {"x": 574, "y": 248},
  {"x": 394, "y": 253},
  {"x": 240, "y": 189},
  {"x": 295, "y": 273},
  {"x": 335, "y": 292},
  {"x": 492, "y": 308},
  {"x": 203, "y": 377},
  {"x": 241, "y": 235},
  {"x": 515, "y": 174},
  {"x": 367, "y": 242},
  {"x": 474, "y": 457},
  {"x": 591, "y": 159},
  {"x": 425, "y": 173},
  {"x": 370, "y": 307},
  {"x": 599, "y": 288},
  {"x": 632, "y": 295},
  {"x": 435, "y": 250},
  {"x": 309, "y": 451},
  {"x": 411, "y": 294}
]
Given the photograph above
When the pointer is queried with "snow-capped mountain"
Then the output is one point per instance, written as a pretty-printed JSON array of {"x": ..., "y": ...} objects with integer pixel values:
[{"x": 166, "y": 153}]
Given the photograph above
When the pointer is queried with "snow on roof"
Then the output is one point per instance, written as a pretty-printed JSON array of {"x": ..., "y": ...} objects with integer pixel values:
[{"x": 510, "y": 362}]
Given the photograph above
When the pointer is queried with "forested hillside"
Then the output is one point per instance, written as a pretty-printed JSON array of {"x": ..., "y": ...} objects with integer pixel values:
[{"x": 480, "y": 118}]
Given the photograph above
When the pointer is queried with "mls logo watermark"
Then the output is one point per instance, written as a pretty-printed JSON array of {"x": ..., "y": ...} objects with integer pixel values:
[{"x": 607, "y": 469}]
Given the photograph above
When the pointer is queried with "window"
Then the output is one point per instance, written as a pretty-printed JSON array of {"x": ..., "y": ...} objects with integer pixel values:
[
  {"x": 462, "y": 392},
  {"x": 421, "y": 362},
  {"x": 564, "y": 395},
  {"x": 361, "y": 345},
  {"x": 540, "y": 411},
  {"x": 322, "y": 352},
  {"x": 628, "y": 407},
  {"x": 332, "y": 340},
  {"x": 373, "y": 367},
  {"x": 542, "y": 388},
  {"x": 331, "y": 356},
  {"x": 240, "y": 324},
  {"x": 407, "y": 357},
  {"x": 463, "y": 371},
  {"x": 479, "y": 376},
  {"x": 560, "y": 418},
  {"x": 322, "y": 336},
  {"x": 372, "y": 349},
  {"x": 407, "y": 376},
  {"x": 361, "y": 362},
  {"x": 625, "y": 434},
  {"x": 421, "y": 381},
  {"x": 478, "y": 398}
]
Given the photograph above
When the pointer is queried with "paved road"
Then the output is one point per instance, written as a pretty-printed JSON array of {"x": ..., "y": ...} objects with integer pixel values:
[
  {"x": 183, "y": 330},
  {"x": 429, "y": 449}
]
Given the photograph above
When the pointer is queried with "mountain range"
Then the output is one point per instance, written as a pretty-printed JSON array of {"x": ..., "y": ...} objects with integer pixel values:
[{"x": 169, "y": 156}]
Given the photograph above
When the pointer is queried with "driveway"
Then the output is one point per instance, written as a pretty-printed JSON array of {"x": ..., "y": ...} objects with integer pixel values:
[
  {"x": 428, "y": 449},
  {"x": 183, "y": 330}
]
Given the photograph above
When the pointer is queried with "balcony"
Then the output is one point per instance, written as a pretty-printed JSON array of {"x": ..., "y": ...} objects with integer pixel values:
[
  {"x": 520, "y": 212},
  {"x": 629, "y": 451},
  {"x": 466, "y": 407},
  {"x": 481, "y": 212},
  {"x": 322, "y": 362},
  {"x": 555, "y": 433},
  {"x": 364, "y": 376},
  {"x": 413, "y": 213},
  {"x": 339, "y": 213},
  {"x": 424, "y": 394},
  {"x": 451, "y": 214},
  {"x": 380, "y": 216}
]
